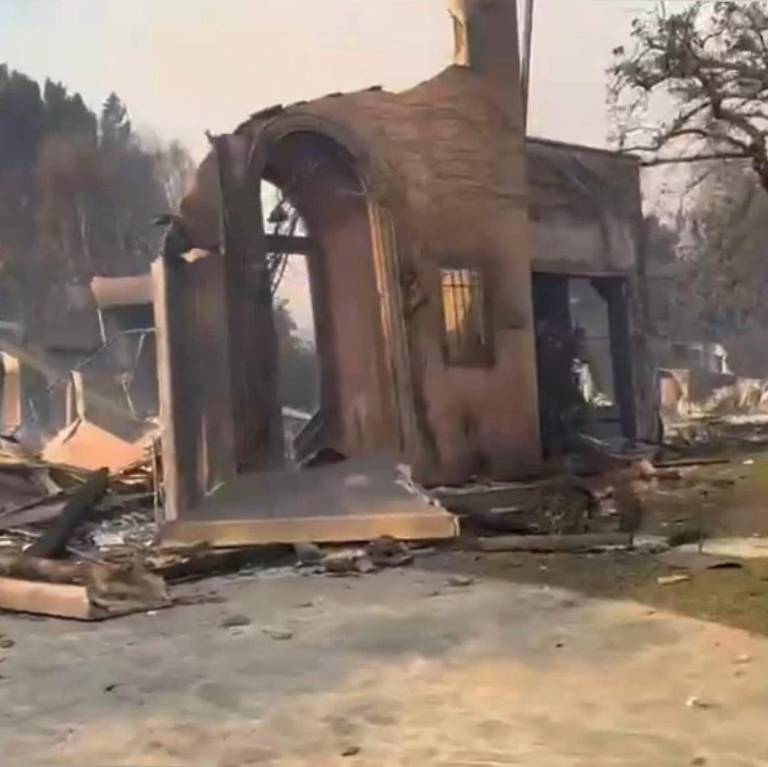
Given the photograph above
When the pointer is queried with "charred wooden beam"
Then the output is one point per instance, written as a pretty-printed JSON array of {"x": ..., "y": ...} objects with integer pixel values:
[
  {"x": 53, "y": 542},
  {"x": 290, "y": 244},
  {"x": 554, "y": 543}
]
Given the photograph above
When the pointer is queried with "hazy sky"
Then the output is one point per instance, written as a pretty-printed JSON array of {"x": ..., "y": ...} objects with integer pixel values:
[{"x": 184, "y": 66}]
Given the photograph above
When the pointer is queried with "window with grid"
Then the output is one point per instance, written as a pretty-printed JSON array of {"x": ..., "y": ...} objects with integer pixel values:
[{"x": 465, "y": 317}]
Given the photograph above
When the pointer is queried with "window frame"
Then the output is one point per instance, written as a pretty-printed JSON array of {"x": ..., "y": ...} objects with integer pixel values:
[{"x": 481, "y": 356}]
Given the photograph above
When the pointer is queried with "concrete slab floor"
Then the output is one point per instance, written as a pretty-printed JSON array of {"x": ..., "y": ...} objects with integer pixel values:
[{"x": 397, "y": 668}]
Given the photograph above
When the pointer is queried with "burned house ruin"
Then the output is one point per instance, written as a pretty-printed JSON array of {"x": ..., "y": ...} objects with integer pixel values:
[
  {"x": 428, "y": 281},
  {"x": 448, "y": 256}
]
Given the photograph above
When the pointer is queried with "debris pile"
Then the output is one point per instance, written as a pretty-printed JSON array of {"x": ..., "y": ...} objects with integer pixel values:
[
  {"x": 83, "y": 544},
  {"x": 376, "y": 555},
  {"x": 59, "y": 527},
  {"x": 609, "y": 495}
]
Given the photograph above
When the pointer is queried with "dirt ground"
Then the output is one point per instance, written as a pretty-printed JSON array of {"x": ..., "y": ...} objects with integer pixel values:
[
  {"x": 412, "y": 666},
  {"x": 460, "y": 660},
  {"x": 726, "y": 499},
  {"x": 722, "y": 499},
  {"x": 734, "y": 597}
]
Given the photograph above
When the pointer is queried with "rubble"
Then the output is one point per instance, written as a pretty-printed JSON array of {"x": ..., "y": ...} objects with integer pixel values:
[
  {"x": 378, "y": 554},
  {"x": 460, "y": 581},
  {"x": 235, "y": 621},
  {"x": 670, "y": 580},
  {"x": 40, "y": 534},
  {"x": 82, "y": 544}
]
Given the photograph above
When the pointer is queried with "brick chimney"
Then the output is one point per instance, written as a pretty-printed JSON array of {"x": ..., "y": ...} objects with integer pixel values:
[{"x": 485, "y": 33}]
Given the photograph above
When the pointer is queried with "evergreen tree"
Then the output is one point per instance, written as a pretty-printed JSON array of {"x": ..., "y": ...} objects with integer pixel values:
[
  {"x": 77, "y": 192},
  {"x": 116, "y": 131}
]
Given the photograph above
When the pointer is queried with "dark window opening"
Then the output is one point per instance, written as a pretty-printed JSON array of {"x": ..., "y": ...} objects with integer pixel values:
[{"x": 465, "y": 318}]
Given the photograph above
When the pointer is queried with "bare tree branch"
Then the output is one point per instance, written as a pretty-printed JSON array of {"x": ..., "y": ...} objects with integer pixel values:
[
  {"x": 713, "y": 60},
  {"x": 696, "y": 158}
]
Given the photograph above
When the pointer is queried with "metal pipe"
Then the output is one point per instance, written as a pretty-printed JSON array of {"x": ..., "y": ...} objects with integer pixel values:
[{"x": 526, "y": 66}]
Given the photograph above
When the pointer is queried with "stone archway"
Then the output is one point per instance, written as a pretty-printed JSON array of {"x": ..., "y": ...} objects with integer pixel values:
[
  {"x": 320, "y": 180},
  {"x": 216, "y": 329},
  {"x": 276, "y": 139}
]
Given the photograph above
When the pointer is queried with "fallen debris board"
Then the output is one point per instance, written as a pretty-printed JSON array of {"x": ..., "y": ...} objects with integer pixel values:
[
  {"x": 336, "y": 529},
  {"x": 31, "y": 515},
  {"x": 87, "y": 446},
  {"x": 53, "y": 541},
  {"x": 479, "y": 499},
  {"x": 355, "y": 500},
  {"x": 47, "y": 570},
  {"x": 55, "y": 599},
  {"x": 197, "y": 562},
  {"x": 62, "y": 600},
  {"x": 554, "y": 543}
]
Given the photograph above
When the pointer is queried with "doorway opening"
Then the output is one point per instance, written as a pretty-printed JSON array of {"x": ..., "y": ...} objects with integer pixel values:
[
  {"x": 321, "y": 259},
  {"x": 298, "y": 362},
  {"x": 583, "y": 349}
]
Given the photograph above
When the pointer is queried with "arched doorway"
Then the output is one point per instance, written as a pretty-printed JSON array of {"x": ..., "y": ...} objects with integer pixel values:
[
  {"x": 216, "y": 330},
  {"x": 318, "y": 179}
]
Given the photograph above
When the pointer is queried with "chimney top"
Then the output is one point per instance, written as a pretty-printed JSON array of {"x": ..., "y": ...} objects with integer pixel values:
[{"x": 486, "y": 38}]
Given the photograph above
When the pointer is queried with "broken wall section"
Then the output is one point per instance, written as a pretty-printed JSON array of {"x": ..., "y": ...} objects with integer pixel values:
[
  {"x": 586, "y": 222},
  {"x": 443, "y": 167}
]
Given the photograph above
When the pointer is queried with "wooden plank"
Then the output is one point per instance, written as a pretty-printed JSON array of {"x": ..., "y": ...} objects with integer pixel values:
[
  {"x": 692, "y": 463},
  {"x": 481, "y": 499},
  {"x": 425, "y": 525},
  {"x": 198, "y": 562},
  {"x": 553, "y": 543},
  {"x": 55, "y": 599},
  {"x": 53, "y": 541},
  {"x": 10, "y": 413},
  {"x": 166, "y": 329},
  {"x": 290, "y": 244},
  {"x": 63, "y": 600},
  {"x": 48, "y": 570}
]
